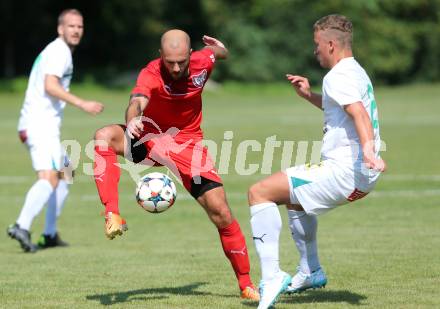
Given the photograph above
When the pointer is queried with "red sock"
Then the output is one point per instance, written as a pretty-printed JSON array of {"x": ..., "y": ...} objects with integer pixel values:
[
  {"x": 107, "y": 174},
  {"x": 234, "y": 246}
]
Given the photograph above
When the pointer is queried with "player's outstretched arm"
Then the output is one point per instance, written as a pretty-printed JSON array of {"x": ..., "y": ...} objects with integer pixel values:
[
  {"x": 53, "y": 87},
  {"x": 219, "y": 49},
  {"x": 364, "y": 129},
  {"x": 302, "y": 88},
  {"x": 133, "y": 115}
]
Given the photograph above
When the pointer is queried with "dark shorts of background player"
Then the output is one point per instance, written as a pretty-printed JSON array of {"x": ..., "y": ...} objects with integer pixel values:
[{"x": 207, "y": 179}]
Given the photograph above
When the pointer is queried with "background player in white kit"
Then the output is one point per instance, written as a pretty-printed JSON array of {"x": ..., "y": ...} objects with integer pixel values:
[
  {"x": 349, "y": 168},
  {"x": 39, "y": 127}
]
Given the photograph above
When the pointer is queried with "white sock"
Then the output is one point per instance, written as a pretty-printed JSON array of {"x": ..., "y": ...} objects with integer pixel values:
[
  {"x": 266, "y": 227},
  {"x": 54, "y": 207},
  {"x": 303, "y": 228},
  {"x": 36, "y": 197}
]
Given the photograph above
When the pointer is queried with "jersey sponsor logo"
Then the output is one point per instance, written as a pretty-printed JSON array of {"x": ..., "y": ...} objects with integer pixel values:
[
  {"x": 199, "y": 79},
  {"x": 212, "y": 57},
  {"x": 356, "y": 195}
]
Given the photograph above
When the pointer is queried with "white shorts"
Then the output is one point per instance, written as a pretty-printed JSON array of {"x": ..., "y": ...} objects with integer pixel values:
[
  {"x": 321, "y": 187},
  {"x": 47, "y": 153}
]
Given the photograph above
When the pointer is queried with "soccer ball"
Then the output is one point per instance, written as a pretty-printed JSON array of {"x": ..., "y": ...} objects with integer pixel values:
[{"x": 156, "y": 192}]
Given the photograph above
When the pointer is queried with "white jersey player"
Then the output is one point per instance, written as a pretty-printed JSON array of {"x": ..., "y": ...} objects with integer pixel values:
[
  {"x": 348, "y": 171},
  {"x": 39, "y": 128}
]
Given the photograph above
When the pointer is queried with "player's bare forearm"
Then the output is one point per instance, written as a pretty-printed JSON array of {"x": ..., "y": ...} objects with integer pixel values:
[
  {"x": 302, "y": 88},
  {"x": 220, "y": 53},
  {"x": 364, "y": 129},
  {"x": 135, "y": 107},
  {"x": 53, "y": 87},
  {"x": 362, "y": 124},
  {"x": 219, "y": 49},
  {"x": 133, "y": 115},
  {"x": 315, "y": 99}
]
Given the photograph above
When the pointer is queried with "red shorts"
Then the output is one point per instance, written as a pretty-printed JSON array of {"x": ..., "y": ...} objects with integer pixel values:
[{"x": 184, "y": 155}]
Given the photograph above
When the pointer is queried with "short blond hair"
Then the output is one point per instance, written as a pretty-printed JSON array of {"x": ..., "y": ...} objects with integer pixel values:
[
  {"x": 65, "y": 12},
  {"x": 339, "y": 25}
]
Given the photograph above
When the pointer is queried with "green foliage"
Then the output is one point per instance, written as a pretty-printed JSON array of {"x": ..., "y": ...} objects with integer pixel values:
[{"x": 396, "y": 43}]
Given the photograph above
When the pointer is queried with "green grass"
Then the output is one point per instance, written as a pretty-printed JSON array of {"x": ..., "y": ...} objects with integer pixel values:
[{"x": 380, "y": 252}]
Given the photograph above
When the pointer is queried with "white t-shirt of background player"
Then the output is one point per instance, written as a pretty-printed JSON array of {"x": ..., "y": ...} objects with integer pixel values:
[{"x": 41, "y": 113}]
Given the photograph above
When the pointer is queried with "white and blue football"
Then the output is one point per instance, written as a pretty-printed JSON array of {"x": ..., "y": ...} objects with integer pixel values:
[{"x": 156, "y": 192}]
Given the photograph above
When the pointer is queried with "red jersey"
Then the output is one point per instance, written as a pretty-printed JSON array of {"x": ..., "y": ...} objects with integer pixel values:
[{"x": 175, "y": 103}]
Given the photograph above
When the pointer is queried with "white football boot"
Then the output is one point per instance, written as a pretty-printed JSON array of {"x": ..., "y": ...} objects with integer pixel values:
[
  {"x": 301, "y": 281},
  {"x": 271, "y": 289}
]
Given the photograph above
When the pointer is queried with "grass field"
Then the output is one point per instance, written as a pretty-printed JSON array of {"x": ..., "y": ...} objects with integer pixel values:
[{"x": 380, "y": 252}]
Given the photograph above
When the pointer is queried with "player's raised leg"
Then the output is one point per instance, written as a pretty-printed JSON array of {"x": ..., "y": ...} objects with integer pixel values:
[
  {"x": 232, "y": 239},
  {"x": 109, "y": 142},
  {"x": 264, "y": 196}
]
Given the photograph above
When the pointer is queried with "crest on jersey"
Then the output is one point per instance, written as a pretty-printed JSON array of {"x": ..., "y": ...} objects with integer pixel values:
[{"x": 199, "y": 79}]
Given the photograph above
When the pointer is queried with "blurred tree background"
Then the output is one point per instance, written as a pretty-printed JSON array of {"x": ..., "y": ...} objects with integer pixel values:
[{"x": 397, "y": 41}]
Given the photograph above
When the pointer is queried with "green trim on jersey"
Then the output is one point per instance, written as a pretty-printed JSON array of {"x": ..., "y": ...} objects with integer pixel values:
[
  {"x": 373, "y": 107},
  {"x": 36, "y": 62},
  {"x": 54, "y": 165}
]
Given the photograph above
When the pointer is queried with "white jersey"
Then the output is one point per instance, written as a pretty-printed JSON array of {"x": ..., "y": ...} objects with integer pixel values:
[
  {"x": 346, "y": 83},
  {"x": 41, "y": 113},
  {"x": 340, "y": 177}
]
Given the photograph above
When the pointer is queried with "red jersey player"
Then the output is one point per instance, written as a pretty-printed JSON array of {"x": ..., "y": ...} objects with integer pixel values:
[{"x": 163, "y": 128}]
